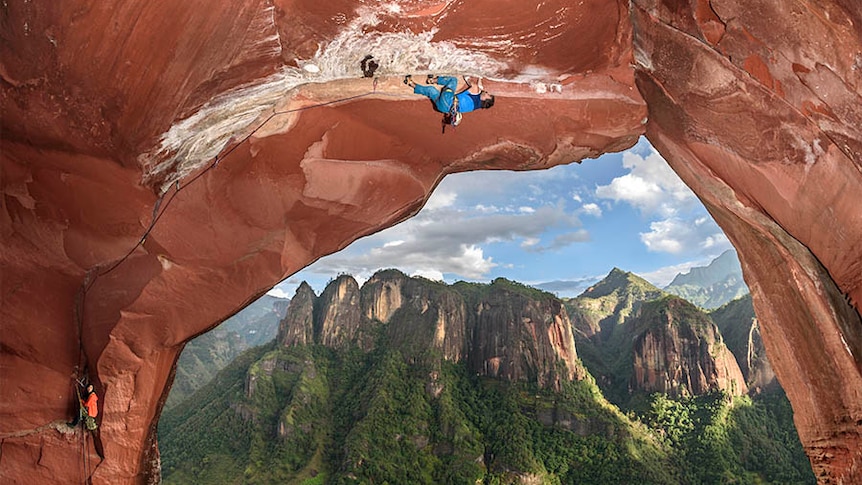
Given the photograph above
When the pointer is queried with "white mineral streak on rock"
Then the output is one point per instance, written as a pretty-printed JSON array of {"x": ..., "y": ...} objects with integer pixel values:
[{"x": 196, "y": 140}]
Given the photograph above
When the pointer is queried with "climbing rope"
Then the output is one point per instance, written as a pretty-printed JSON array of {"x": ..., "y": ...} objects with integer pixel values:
[
  {"x": 213, "y": 164},
  {"x": 161, "y": 207},
  {"x": 85, "y": 451},
  {"x": 85, "y": 474},
  {"x": 159, "y": 210}
]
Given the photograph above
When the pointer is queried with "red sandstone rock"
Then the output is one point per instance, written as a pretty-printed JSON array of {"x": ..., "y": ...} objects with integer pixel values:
[
  {"x": 112, "y": 114},
  {"x": 736, "y": 119}
]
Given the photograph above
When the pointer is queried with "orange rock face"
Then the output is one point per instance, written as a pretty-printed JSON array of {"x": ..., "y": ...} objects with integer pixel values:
[
  {"x": 680, "y": 354},
  {"x": 122, "y": 237}
]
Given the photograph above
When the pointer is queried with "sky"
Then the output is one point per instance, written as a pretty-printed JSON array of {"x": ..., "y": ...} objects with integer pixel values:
[{"x": 560, "y": 229}]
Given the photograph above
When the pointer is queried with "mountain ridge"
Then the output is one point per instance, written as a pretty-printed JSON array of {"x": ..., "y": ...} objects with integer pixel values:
[
  {"x": 397, "y": 406},
  {"x": 713, "y": 285},
  {"x": 453, "y": 321}
]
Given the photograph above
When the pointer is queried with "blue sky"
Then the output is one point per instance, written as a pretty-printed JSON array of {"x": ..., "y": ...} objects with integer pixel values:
[{"x": 560, "y": 229}]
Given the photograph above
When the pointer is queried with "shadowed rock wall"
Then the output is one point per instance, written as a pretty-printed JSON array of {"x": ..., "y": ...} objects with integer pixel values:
[{"x": 122, "y": 238}]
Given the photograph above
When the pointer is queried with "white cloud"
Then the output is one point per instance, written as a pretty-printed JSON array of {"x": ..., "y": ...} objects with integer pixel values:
[
  {"x": 536, "y": 189},
  {"x": 440, "y": 199},
  {"x": 591, "y": 209},
  {"x": 665, "y": 236},
  {"x": 487, "y": 209},
  {"x": 678, "y": 236},
  {"x": 715, "y": 241},
  {"x": 678, "y": 222},
  {"x": 504, "y": 183},
  {"x": 560, "y": 241},
  {"x": 450, "y": 240},
  {"x": 428, "y": 274},
  {"x": 526, "y": 210},
  {"x": 530, "y": 241},
  {"x": 279, "y": 292},
  {"x": 650, "y": 186}
]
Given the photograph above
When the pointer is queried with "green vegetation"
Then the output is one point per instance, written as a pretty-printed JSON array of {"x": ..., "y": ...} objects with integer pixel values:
[
  {"x": 202, "y": 358},
  {"x": 210, "y": 352},
  {"x": 607, "y": 304},
  {"x": 477, "y": 291},
  {"x": 403, "y": 414},
  {"x": 718, "y": 439},
  {"x": 673, "y": 309},
  {"x": 205, "y": 439},
  {"x": 621, "y": 309},
  {"x": 308, "y": 415}
]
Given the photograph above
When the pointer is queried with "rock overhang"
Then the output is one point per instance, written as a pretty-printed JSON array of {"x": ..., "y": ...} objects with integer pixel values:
[{"x": 754, "y": 105}]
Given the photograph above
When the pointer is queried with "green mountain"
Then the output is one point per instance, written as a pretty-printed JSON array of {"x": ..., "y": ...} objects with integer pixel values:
[
  {"x": 609, "y": 302},
  {"x": 713, "y": 285},
  {"x": 257, "y": 323},
  {"x": 207, "y": 354},
  {"x": 741, "y": 331},
  {"x": 409, "y": 381},
  {"x": 637, "y": 340}
]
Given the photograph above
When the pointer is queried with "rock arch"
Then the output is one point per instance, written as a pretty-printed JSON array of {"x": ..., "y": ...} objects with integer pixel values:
[{"x": 113, "y": 118}]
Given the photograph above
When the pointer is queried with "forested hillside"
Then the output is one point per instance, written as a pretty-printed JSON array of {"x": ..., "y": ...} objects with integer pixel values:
[{"x": 406, "y": 402}]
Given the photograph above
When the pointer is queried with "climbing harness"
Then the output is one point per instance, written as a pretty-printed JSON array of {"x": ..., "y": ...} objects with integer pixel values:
[
  {"x": 89, "y": 421},
  {"x": 453, "y": 115}
]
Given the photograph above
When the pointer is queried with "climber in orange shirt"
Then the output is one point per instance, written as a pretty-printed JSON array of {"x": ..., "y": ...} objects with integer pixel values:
[
  {"x": 91, "y": 404},
  {"x": 88, "y": 410}
]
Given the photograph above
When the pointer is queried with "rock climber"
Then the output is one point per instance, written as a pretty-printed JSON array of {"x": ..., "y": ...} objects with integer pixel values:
[
  {"x": 449, "y": 102},
  {"x": 88, "y": 408},
  {"x": 368, "y": 65}
]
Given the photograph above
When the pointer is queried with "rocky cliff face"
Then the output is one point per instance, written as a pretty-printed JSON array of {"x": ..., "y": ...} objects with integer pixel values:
[
  {"x": 339, "y": 320},
  {"x": 115, "y": 212},
  {"x": 741, "y": 332},
  {"x": 678, "y": 351},
  {"x": 384, "y": 295},
  {"x": 522, "y": 337},
  {"x": 649, "y": 341},
  {"x": 500, "y": 330},
  {"x": 297, "y": 326},
  {"x": 422, "y": 315}
]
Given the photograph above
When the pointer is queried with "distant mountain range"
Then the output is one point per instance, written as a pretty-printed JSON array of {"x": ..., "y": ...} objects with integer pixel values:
[
  {"x": 634, "y": 337},
  {"x": 209, "y": 353},
  {"x": 711, "y": 286},
  {"x": 708, "y": 286},
  {"x": 405, "y": 380}
]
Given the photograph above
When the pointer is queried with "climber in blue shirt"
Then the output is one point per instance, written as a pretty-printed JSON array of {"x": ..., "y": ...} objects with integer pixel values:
[{"x": 447, "y": 101}]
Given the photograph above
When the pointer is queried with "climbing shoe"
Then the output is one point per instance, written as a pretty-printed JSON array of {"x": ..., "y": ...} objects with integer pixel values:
[
  {"x": 408, "y": 80},
  {"x": 431, "y": 79}
]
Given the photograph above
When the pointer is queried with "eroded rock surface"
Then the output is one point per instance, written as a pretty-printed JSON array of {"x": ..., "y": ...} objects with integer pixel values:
[
  {"x": 775, "y": 157},
  {"x": 122, "y": 237},
  {"x": 679, "y": 351}
]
